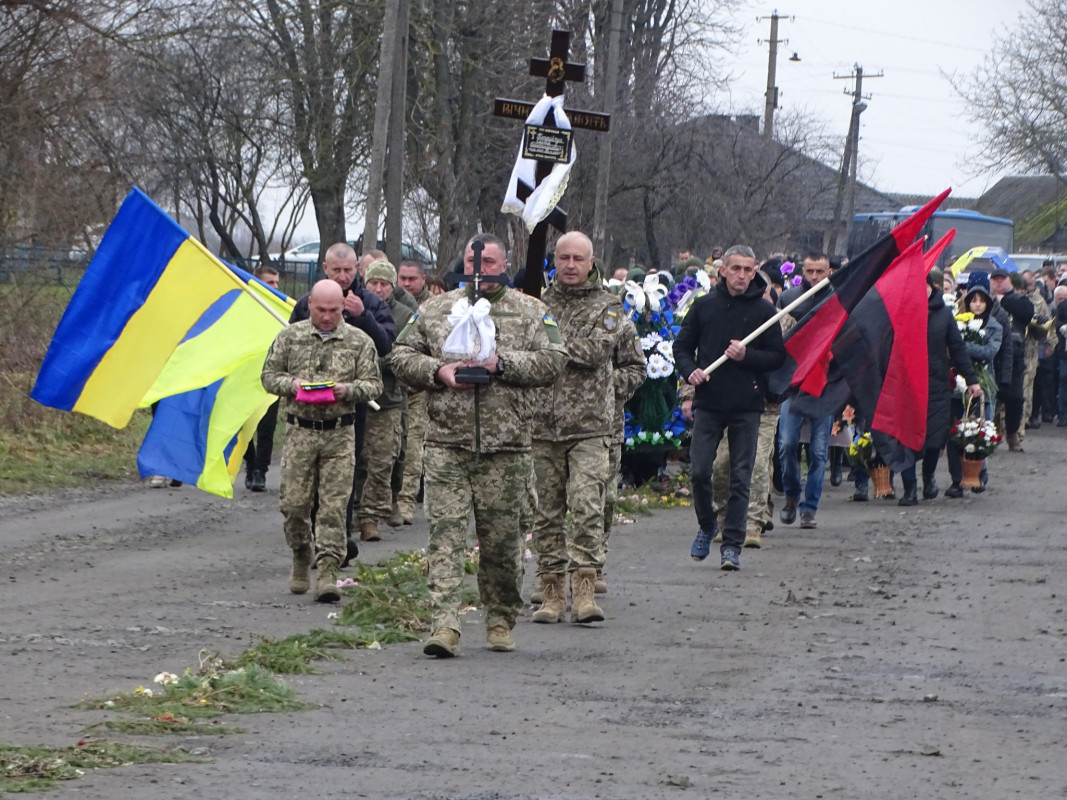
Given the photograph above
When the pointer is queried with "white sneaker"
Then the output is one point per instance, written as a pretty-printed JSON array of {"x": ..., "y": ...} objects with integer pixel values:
[{"x": 157, "y": 482}]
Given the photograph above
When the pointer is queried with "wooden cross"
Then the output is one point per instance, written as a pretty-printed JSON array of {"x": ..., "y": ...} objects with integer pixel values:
[{"x": 556, "y": 70}]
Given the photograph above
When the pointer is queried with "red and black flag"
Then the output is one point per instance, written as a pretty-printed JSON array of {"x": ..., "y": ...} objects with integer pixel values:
[
  {"x": 930, "y": 256},
  {"x": 880, "y": 362},
  {"x": 808, "y": 343}
]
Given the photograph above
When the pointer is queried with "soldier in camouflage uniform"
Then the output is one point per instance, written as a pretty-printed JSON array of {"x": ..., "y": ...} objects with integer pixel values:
[
  {"x": 412, "y": 276},
  {"x": 477, "y": 452},
  {"x": 625, "y": 383},
  {"x": 574, "y": 420},
  {"x": 319, "y": 451},
  {"x": 385, "y": 426},
  {"x": 1036, "y": 335}
]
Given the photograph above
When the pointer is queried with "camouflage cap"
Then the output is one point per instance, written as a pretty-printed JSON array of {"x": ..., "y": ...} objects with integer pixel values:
[{"x": 380, "y": 270}]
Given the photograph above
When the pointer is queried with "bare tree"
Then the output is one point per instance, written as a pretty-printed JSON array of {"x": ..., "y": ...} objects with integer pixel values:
[
  {"x": 1016, "y": 94},
  {"x": 326, "y": 53},
  {"x": 216, "y": 139}
]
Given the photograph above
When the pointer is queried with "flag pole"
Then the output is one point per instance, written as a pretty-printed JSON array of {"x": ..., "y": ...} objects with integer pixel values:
[
  {"x": 240, "y": 284},
  {"x": 773, "y": 320}
]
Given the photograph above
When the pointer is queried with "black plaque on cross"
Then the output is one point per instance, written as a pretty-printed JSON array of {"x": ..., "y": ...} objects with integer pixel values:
[{"x": 556, "y": 70}]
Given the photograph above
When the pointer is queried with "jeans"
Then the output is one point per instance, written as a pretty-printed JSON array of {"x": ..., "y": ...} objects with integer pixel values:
[
  {"x": 742, "y": 435},
  {"x": 789, "y": 426}
]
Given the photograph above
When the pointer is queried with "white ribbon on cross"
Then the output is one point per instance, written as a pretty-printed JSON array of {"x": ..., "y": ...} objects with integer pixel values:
[
  {"x": 548, "y": 192},
  {"x": 473, "y": 333}
]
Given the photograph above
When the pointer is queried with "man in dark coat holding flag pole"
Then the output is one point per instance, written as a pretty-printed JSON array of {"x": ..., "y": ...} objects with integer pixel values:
[{"x": 729, "y": 400}]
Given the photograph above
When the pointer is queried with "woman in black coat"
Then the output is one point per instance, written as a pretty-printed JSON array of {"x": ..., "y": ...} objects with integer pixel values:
[{"x": 945, "y": 351}]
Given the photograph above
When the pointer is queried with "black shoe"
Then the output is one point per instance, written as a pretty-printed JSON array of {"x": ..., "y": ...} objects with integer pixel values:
[
  {"x": 930, "y": 489},
  {"x": 860, "y": 495},
  {"x": 1062, "y": 423},
  {"x": 248, "y": 478},
  {"x": 788, "y": 514},
  {"x": 258, "y": 481},
  {"x": 353, "y": 551},
  {"x": 1034, "y": 423},
  {"x": 911, "y": 496},
  {"x": 954, "y": 491}
]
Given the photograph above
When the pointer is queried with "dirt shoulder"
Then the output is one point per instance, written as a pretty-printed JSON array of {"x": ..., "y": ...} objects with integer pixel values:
[{"x": 890, "y": 653}]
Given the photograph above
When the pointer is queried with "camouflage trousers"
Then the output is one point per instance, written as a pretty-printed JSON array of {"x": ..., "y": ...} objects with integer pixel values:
[
  {"x": 760, "y": 504},
  {"x": 570, "y": 478},
  {"x": 416, "y": 432},
  {"x": 611, "y": 491},
  {"x": 1029, "y": 373},
  {"x": 317, "y": 465},
  {"x": 381, "y": 448},
  {"x": 495, "y": 487}
]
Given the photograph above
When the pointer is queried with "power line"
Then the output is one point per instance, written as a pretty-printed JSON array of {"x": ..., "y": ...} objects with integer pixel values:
[{"x": 903, "y": 37}]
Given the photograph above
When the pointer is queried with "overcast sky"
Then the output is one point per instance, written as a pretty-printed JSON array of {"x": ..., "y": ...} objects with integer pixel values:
[{"x": 915, "y": 131}]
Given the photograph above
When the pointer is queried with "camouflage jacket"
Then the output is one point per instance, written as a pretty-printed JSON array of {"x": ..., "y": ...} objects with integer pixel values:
[
  {"x": 492, "y": 418},
  {"x": 605, "y": 363},
  {"x": 393, "y": 394},
  {"x": 347, "y": 356}
]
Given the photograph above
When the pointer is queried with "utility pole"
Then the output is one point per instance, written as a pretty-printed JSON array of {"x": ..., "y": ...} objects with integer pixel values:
[
  {"x": 772, "y": 66},
  {"x": 379, "y": 142},
  {"x": 601, "y": 243},
  {"x": 396, "y": 150},
  {"x": 846, "y": 179}
]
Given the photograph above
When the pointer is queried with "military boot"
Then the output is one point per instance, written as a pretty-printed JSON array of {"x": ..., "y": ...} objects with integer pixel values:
[
  {"x": 753, "y": 538},
  {"x": 583, "y": 605},
  {"x": 395, "y": 519},
  {"x": 554, "y": 604},
  {"x": 442, "y": 644},
  {"x": 368, "y": 531},
  {"x": 298, "y": 575},
  {"x": 499, "y": 639},
  {"x": 326, "y": 590},
  {"x": 601, "y": 585}
]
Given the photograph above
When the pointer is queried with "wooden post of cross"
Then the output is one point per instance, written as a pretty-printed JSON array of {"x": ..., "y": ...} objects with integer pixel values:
[{"x": 556, "y": 70}]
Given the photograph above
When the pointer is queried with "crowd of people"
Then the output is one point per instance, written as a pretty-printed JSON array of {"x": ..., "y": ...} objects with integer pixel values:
[{"x": 509, "y": 410}]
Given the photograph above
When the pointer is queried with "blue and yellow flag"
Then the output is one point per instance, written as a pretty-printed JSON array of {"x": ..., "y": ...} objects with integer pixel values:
[
  {"x": 209, "y": 394},
  {"x": 158, "y": 318},
  {"x": 148, "y": 283}
]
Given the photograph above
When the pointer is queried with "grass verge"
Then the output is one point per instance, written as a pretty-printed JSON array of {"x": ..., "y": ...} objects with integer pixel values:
[{"x": 36, "y": 768}]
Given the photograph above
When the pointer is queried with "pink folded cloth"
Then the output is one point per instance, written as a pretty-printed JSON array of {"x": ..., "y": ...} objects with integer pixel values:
[{"x": 319, "y": 396}]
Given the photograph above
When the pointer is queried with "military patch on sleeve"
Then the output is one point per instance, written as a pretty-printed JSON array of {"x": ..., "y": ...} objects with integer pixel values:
[
  {"x": 611, "y": 319},
  {"x": 551, "y": 329},
  {"x": 407, "y": 327}
]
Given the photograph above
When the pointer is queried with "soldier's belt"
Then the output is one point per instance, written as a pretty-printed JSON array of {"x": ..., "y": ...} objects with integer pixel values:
[{"x": 321, "y": 424}]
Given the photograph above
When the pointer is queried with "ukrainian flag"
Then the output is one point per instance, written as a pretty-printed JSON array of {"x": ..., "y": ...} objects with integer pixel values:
[
  {"x": 158, "y": 318},
  {"x": 147, "y": 285},
  {"x": 210, "y": 395}
]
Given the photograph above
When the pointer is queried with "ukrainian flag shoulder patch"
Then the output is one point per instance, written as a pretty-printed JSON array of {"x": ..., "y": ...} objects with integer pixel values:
[{"x": 551, "y": 329}]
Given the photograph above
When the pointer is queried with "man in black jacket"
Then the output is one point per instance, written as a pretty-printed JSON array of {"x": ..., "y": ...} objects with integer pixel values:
[
  {"x": 729, "y": 400},
  {"x": 363, "y": 309}
]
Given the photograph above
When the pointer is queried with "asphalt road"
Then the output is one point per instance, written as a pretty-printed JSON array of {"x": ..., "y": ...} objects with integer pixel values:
[{"x": 891, "y": 653}]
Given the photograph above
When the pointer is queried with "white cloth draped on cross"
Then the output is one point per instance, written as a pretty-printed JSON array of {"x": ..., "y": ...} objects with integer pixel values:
[
  {"x": 547, "y": 193},
  {"x": 473, "y": 333}
]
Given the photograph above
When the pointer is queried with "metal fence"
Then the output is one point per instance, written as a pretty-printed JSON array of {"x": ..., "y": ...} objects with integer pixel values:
[
  {"x": 31, "y": 265},
  {"x": 41, "y": 266}
]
